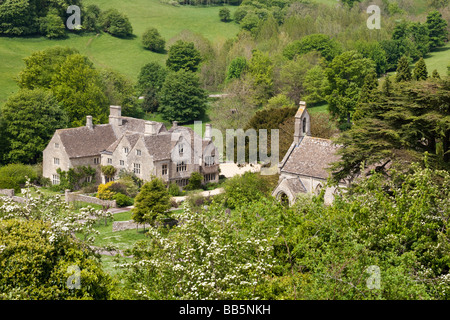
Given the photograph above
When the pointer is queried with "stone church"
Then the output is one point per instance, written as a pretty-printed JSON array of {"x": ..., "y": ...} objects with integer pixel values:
[
  {"x": 304, "y": 167},
  {"x": 145, "y": 148}
]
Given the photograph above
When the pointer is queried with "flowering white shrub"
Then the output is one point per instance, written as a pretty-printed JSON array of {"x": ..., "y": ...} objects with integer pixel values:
[
  {"x": 206, "y": 256},
  {"x": 64, "y": 221}
]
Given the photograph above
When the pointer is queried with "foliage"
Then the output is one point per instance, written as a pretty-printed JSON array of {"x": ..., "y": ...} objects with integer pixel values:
[
  {"x": 115, "y": 23},
  {"x": 52, "y": 26},
  {"x": 150, "y": 81},
  {"x": 346, "y": 74},
  {"x": 15, "y": 176},
  {"x": 120, "y": 91},
  {"x": 104, "y": 192},
  {"x": 224, "y": 14},
  {"x": 152, "y": 40},
  {"x": 181, "y": 97},
  {"x": 420, "y": 70},
  {"x": 399, "y": 125},
  {"x": 216, "y": 258},
  {"x": 34, "y": 268},
  {"x": 183, "y": 55},
  {"x": 437, "y": 28},
  {"x": 236, "y": 67},
  {"x": 123, "y": 200},
  {"x": 76, "y": 178},
  {"x": 403, "y": 71},
  {"x": 322, "y": 43},
  {"x": 151, "y": 203},
  {"x": 174, "y": 189},
  {"x": 260, "y": 67},
  {"x": 195, "y": 181},
  {"x": 30, "y": 118},
  {"x": 245, "y": 188},
  {"x": 109, "y": 171}
]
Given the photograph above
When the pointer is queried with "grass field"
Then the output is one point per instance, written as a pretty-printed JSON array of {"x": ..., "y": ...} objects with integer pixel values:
[{"x": 124, "y": 55}]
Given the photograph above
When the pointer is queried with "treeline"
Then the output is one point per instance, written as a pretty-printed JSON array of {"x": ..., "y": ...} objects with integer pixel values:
[{"x": 48, "y": 18}]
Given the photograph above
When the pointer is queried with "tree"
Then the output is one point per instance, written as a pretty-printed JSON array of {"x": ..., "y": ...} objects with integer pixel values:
[
  {"x": 30, "y": 119},
  {"x": 260, "y": 67},
  {"x": 420, "y": 70},
  {"x": 120, "y": 91},
  {"x": 403, "y": 71},
  {"x": 183, "y": 55},
  {"x": 115, "y": 23},
  {"x": 90, "y": 18},
  {"x": 314, "y": 84},
  {"x": 152, "y": 202},
  {"x": 437, "y": 28},
  {"x": 399, "y": 128},
  {"x": 346, "y": 75},
  {"x": 152, "y": 40},
  {"x": 374, "y": 51},
  {"x": 52, "y": 26},
  {"x": 328, "y": 47},
  {"x": 224, "y": 14},
  {"x": 78, "y": 87},
  {"x": 41, "y": 66},
  {"x": 182, "y": 98},
  {"x": 435, "y": 74},
  {"x": 236, "y": 67}
]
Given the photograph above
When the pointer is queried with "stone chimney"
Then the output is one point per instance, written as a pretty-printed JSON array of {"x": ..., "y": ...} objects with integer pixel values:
[
  {"x": 89, "y": 122},
  {"x": 302, "y": 123},
  {"x": 174, "y": 124},
  {"x": 115, "y": 115},
  {"x": 150, "y": 128},
  {"x": 208, "y": 133}
]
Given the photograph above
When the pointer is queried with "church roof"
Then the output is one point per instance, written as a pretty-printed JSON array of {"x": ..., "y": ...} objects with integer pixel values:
[{"x": 311, "y": 157}]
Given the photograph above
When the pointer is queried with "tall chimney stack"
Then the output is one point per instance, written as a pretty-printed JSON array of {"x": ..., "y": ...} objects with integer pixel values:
[
  {"x": 89, "y": 122},
  {"x": 302, "y": 123},
  {"x": 208, "y": 133},
  {"x": 150, "y": 128},
  {"x": 115, "y": 115}
]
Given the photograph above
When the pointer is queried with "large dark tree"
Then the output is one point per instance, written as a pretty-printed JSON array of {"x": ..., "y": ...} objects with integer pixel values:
[
  {"x": 437, "y": 28},
  {"x": 30, "y": 118},
  {"x": 399, "y": 126},
  {"x": 183, "y": 55},
  {"x": 182, "y": 99}
]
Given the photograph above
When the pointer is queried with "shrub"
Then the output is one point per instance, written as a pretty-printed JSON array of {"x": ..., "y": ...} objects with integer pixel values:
[
  {"x": 122, "y": 200},
  {"x": 195, "y": 181},
  {"x": 118, "y": 187},
  {"x": 115, "y": 23},
  {"x": 174, "y": 189},
  {"x": 104, "y": 193},
  {"x": 224, "y": 14},
  {"x": 52, "y": 26},
  {"x": 14, "y": 176},
  {"x": 152, "y": 40}
]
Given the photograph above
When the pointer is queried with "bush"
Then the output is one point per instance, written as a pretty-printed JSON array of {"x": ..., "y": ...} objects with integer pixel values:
[
  {"x": 152, "y": 40},
  {"x": 14, "y": 176},
  {"x": 104, "y": 193},
  {"x": 118, "y": 187},
  {"x": 174, "y": 189},
  {"x": 115, "y": 23},
  {"x": 195, "y": 181},
  {"x": 52, "y": 26},
  {"x": 224, "y": 14},
  {"x": 123, "y": 200}
]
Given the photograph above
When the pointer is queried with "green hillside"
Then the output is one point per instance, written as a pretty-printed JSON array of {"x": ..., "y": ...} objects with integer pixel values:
[{"x": 125, "y": 55}]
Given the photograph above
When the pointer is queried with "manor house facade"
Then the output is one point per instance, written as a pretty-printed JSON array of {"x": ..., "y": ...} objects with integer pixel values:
[{"x": 146, "y": 148}]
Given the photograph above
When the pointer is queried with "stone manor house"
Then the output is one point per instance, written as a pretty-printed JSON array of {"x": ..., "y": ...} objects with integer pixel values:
[{"x": 146, "y": 148}]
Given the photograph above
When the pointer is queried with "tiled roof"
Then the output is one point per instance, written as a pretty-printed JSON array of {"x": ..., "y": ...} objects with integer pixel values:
[
  {"x": 138, "y": 125},
  {"x": 295, "y": 185},
  {"x": 312, "y": 157},
  {"x": 85, "y": 142}
]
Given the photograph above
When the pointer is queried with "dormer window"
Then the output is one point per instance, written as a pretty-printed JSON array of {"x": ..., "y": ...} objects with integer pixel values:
[
  {"x": 180, "y": 148},
  {"x": 126, "y": 150},
  {"x": 138, "y": 152}
]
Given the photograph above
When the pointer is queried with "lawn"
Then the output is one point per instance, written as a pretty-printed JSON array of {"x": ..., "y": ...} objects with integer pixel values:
[{"x": 124, "y": 55}]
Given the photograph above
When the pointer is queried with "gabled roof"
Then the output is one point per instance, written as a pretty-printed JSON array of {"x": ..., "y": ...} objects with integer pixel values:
[
  {"x": 312, "y": 157},
  {"x": 84, "y": 142},
  {"x": 138, "y": 125}
]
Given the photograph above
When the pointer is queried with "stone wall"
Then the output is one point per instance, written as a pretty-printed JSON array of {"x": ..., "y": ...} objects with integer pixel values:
[
  {"x": 7, "y": 192},
  {"x": 72, "y": 196}
]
